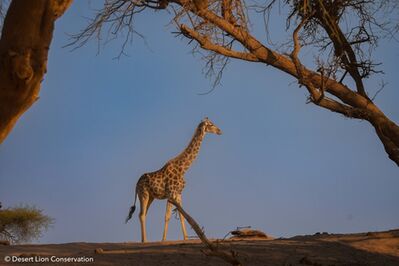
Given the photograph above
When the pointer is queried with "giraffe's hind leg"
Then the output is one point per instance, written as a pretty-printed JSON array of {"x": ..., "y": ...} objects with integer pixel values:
[
  {"x": 183, "y": 226},
  {"x": 144, "y": 205},
  {"x": 167, "y": 218},
  {"x": 150, "y": 200}
]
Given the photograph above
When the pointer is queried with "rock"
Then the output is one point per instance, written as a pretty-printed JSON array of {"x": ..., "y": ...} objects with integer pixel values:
[
  {"x": 99, "y": 251},
  {"x": 321, "y": 234},
  {"x": 248, "y": 233}
]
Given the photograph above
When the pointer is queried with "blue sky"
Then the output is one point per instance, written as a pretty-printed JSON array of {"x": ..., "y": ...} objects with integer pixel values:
[{"x": 281, "y": 166}]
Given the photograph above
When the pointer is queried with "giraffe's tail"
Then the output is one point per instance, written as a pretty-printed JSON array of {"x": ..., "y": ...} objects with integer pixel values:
[{"x": 132, "y": 209}]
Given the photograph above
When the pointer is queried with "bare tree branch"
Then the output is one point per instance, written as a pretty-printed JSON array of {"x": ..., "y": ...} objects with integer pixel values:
[
  {"x": 213, "y": 250},
  {"x": 316, "y": 96},
  {"x": 343, "y": 49},
  {"x": 208, "y": 45}
]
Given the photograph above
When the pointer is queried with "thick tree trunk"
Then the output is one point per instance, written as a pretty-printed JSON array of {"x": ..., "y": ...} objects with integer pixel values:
[{"x": 24, "y": 45}]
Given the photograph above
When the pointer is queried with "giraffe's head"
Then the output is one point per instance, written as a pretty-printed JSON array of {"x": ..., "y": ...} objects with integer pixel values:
[{"x": 209, "y": 127}]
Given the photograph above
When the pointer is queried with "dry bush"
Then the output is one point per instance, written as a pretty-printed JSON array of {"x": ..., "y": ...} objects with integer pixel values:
[{"x": 23, "y": 224}]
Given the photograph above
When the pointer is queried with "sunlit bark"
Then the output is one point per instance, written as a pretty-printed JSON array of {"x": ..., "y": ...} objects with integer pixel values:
[{"x": 25, "y": 41}]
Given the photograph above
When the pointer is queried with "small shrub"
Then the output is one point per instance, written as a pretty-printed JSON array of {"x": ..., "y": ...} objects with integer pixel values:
[{"x": 23, "y": 224}]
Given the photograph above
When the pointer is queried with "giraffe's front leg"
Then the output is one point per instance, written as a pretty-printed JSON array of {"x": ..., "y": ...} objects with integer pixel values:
[
  {"x": 167, "y": 218},
  {"x": 183, "y": 226}
]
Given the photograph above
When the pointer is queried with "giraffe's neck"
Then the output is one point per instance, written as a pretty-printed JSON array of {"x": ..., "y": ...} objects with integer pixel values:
[{"x": 186, "y": 158}]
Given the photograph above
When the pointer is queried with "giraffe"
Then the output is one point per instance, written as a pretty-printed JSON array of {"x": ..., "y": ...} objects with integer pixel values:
[{"x": 168, "y": 182}]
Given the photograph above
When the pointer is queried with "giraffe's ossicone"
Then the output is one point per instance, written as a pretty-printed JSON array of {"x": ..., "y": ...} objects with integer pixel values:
[{"x": 168, "y": 182}]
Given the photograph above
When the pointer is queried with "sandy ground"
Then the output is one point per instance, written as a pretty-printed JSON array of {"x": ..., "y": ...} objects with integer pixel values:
[{"x": 376, "y": 248}]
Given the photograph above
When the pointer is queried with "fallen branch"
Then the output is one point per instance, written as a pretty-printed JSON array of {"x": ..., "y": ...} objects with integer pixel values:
[{"x": 213, "y": 250}]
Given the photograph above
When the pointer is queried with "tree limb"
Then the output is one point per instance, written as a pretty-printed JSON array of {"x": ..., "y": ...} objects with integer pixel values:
[
  {"x": 208, "y": 45},
  {"x": 316, "y": 96},
  {"x": 213, "y": 249},
  {"x": 343, "y": 48},
  {"x": 270, "y": 57}
]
